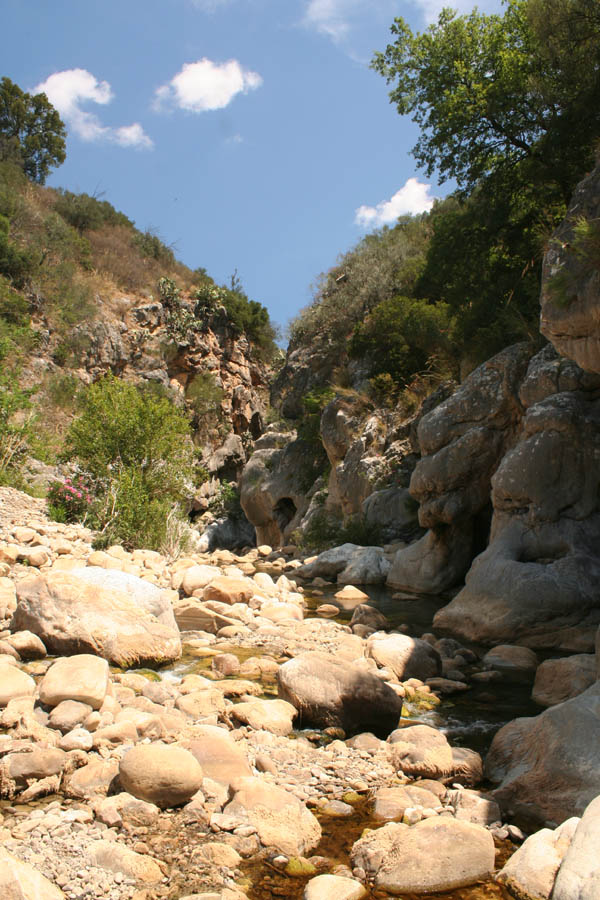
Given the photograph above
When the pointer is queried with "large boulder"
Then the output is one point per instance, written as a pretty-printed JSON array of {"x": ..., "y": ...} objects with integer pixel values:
[
  {"x": 421, "y": 751},
  {"x": 436, "y": 854},
  {"x": 579, "y": 875},
  {"x": 407, "y": 657},
  {"x": 14, "y": 683},
  {"x": 144, "y": 594},
  {"x": 530, "y": 872},
  {"x": 547, "y": 768},
  {"x": 348, "y": 564},
  {"x": 83, "y": 678},
  {"x": 71, "y": 615},
  {"x": 557, "y": 680},
  {"x": 220, "y": 757},
  {"x": 280, "y": 819},
  {"x": 162, "y": 774},
  {"x": 327, "y": 692}
]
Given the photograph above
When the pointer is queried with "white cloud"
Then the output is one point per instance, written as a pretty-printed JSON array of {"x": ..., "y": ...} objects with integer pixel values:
[
  {"x": 413, "y": 198},
  {"x": 205, "y": 85},
  {"x": 67, "y": 91},
  {"x": 432, "y": 8},
  {"x": 338, "y": 18}
]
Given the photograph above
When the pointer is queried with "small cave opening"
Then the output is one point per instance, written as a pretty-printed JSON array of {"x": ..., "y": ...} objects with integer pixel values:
[
  {"x": 284, "y": 511},
  {"x": 256, "y": 426}
]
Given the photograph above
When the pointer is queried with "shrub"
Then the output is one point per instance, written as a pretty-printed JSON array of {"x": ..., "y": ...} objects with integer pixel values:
[
  {"x": 136, "y": 447},
  {"x": 326, "y": 530},
  {"x": 16, "y": 420},
  {"x": 226, "y": 503},
  {"x": 86, "y": 213},
  {"x": 70, "y": 501}
]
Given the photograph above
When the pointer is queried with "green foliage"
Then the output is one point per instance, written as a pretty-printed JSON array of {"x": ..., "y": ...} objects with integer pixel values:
[
  {"x": 63, "y": 390},
  {"x": 31, "y": 131},
  {"x": 136, "y": 447},
  {"x": 382, "y": 265},
  {"x": 226, "y": 503},
  {"x": 205, "y": 395},
  {"x": 327, "y": 530},
  {"x": 15, "y": 264},
  {"x": 490, "y": 95},
  {"x": 151, "y": 246},
  {"x": 86, "y": 213},
  {"x": 581, "y": 257},
  {"x": 69, "y": 501},
  {"x": 16, "y": 335},
  {"x": 244, "y": 315},
  {"x": 313, "y": 405},
  {"x": 403, "y": 337},
  {"x": 16, "y": 420}
]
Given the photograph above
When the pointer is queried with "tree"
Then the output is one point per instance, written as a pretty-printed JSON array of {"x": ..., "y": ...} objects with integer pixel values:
[
  {"x": 492, "y": 93},
  {"x": 31, "y": 131}
]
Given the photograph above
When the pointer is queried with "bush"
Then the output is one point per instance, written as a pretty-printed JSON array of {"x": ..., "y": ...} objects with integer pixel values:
[
  {"x": 70, "y": 501},
  {"x": 326, "y": 530},
  {"x": 86, "y": 213},
  {"x": 136, "y": 447},
  {"x": 226, "y": 503},
  {"x": 16, "y": 420}
]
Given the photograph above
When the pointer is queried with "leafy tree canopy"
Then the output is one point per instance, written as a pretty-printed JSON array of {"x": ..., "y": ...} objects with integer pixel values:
[
  {"x": 31, "y": 131},
  {"x": 493, "y": 92}
]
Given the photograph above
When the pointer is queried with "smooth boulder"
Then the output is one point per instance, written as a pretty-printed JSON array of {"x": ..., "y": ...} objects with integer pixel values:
[
  {"x": 530, "y": 873},
  {"x": 421, "y": 751},
  {"x": 407, "y": 657},
  {"x": 327, "y": 692},
  {"x": 579, "y": 875},
  {"x": 83, "y": 678},
  {"x": 165, "y": 775}
]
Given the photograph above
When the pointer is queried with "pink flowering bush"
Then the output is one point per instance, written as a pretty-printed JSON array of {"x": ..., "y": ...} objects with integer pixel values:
[{"x": 70, "y": 501}]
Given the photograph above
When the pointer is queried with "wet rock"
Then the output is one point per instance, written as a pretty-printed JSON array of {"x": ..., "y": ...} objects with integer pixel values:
[
  {"x": 531, "y": 871},
  {"x": 160, "y": 774},
  {"x": 420, "y": 750},
  {"x": 515, "y": 663},
  {"x": 557, "y": 680},
  {"x": 436, "y": 854},
  {"x": 368, "y": 615},
  {"x": 281, "y": 820},
  {"x": 83, "y": 678},
  {"x": 407, "y": 657},
  {"x": 327, "y": 692},
  {"x": 547, "y": 767},
  {"x": 69, "y": 614}
]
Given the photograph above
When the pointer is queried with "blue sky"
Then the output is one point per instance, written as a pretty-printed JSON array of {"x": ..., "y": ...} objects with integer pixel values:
[{"x": 249, "y": 134}]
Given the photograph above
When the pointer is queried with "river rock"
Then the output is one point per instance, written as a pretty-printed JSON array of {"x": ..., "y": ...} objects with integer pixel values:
[
  {"x": 91, "y": 780},
  {"x": 515, "y": 663},
  {"x": 331, "y": 693},
  {"x": 390, "y": 803},
  {"x": 436, "y": 854},
  {"x": 531, "y": 871},
  {"x": 579, "y": 874},
  {"x": 421, "y": 751},
  {"x": 407, "y": 657},
  {"x": 27, "y": 645},
  {"x": 368, "y": 615},
  {"x": 197, "y": 577},
  {"x": 67, "y": 714},
  {"x": 280, "y": 819},
  {"x": 37, "y": 763},
  {"x": 473, "y": 806},
  {"x": 557, "y": 680},
  {"x": 220, "y": 757},
  {"x": 83, "y": 678},
  {"x": 20, "y": 881},
  {"x": 162, "y": 774},
  {"x": 142, "y": 593},
  {"x": 333, "y": 887},
  {"x": 548, "y": 767},
  {"x": 14, "y": 683},
  {"x": 348, "y": 564},
  {"x": 116, "y": 858},
  {"x": 276, "y": 716},
  {"x": 69, "y": 614},
  {"x": 230, "y": 590}
]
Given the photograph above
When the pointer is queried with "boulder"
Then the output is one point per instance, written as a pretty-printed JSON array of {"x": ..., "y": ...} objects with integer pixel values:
[
  {"x": 220, "y": 757},
  {"x": 83, "y": 678},
  {"x": 276, "y": 716},
  {"x": 473, "y": 806},
  {"x": 434, "y": 563},
  {"x": 436, "y": 854},
  {"x": 348, "y": 564},
  {"x": 531, "y": 871},
  {"x": 557, "y": 680},
  {"x": 144, "y": 594},
  {"x": 368, "y": 615},
  {"x": 579, "y": 874},
  {"x": 547, "y": 767},
  {"x": 280, "y": 819},
  {"x": 67, "y": 714},
  {"x": 390, "y": 803},
  {"x": 27, "y": 645},
  {"x": 20, "y": 881},
  {"x": 421, "y": 751},
  {"x": 14, "y": 683},
  {"x": 329, "y": 692},
  {"x": 93, "y": 779},
  {"x": 71, "y": 615},
  {"x": 165, "y": 775},
  {"x": 229, "y": 590},
  {"x": 407, "y": 657},
  {"x": 197, "y": 577},
  {"x": 333, "y": 887},
  {"x": 114, "y": 857},
  {"x": 515, "y": 663}
]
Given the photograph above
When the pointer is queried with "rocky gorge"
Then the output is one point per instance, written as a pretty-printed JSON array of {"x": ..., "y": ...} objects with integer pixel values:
[{"x": 220, "y": 725}]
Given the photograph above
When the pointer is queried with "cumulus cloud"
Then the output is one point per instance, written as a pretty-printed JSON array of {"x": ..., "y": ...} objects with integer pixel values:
[
  {"x": 413, "y": 198},
  {"x": 67, "y": 91},
  {"x": 205, "y": 85}
]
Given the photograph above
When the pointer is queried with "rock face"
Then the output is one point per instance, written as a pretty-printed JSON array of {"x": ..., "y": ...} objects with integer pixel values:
[
  {"x": 70, "y": 615},
  {"x": 462, "y": 441},
  {"x": 433, "y": 855},
  {"x": 570, "y": 316},
  {"x": 547, "y": 767},
  {"x": 330, "y": 693}
]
